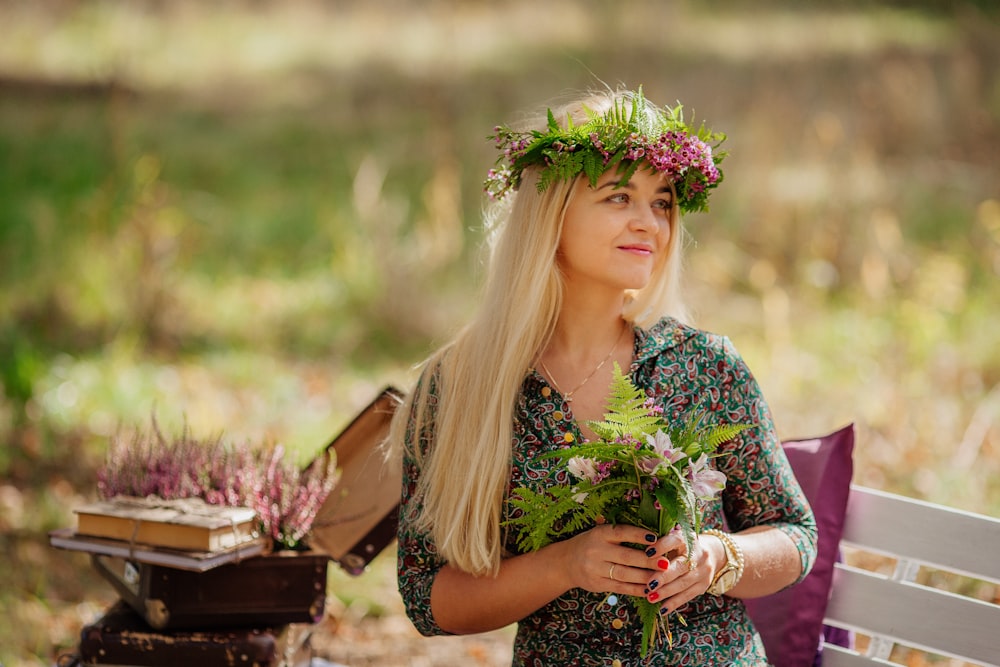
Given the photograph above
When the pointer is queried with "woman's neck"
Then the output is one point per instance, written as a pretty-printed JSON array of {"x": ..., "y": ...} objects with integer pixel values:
[
  {"x": 586, "y": 326},
  {"x": 589, "y": 340}
]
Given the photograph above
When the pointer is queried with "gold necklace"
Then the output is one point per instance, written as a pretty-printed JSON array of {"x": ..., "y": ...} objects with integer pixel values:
[{"x": 568, "y": 395}]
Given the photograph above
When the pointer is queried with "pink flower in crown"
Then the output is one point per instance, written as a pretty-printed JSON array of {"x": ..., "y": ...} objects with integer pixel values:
[
  {"x": 583, "y": 468},
  {"x": 705, "y": 482}
]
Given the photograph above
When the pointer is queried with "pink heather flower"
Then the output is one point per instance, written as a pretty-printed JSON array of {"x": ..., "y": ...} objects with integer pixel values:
[
  {"x": 604, "y": 469},
  {"x": 705, "y": 482},
  {"x": 582, "y": 468}
]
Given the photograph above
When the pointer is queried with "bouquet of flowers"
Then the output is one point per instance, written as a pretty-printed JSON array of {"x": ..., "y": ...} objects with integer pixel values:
[{"x": 642, "y": 470}]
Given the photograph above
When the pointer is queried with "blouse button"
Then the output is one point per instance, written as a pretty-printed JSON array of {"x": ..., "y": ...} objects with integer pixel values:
[
  {"x": 546, "y": 392},
  {"x": 558, "y": 415},
  {"x": 568, "y": 437}
]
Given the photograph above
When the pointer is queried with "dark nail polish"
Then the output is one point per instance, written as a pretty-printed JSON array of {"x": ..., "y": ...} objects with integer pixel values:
[
  {"x": 650, "y": 537},
  {"x": 645, "y": 591},
  {"x": 651, "y": 551}
]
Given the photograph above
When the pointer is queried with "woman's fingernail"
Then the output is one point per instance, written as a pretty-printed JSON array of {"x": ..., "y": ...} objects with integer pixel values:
[
  {"x": 645, "y": 591},
  {"x": 653, "y": 584},
  {"x": 663, "y": 563},
  {"x": 651, "y": 551},
  {"x": 650, "y": 537},
  {"x": 653, "y": 597}
]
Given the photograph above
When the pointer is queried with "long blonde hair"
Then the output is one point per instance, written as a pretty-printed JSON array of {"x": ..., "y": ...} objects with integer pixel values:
[{"x": 458, "y": 420}]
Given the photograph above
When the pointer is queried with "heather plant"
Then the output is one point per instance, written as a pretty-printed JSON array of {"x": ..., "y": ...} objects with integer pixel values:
[{"x": 286, "y": 498}]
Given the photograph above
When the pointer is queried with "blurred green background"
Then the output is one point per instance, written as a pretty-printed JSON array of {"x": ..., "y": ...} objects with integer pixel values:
[{"x": 249, "y": 216}]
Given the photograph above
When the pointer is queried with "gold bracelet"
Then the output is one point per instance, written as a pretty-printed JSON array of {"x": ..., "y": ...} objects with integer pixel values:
[{"x": 730, "y": 575}]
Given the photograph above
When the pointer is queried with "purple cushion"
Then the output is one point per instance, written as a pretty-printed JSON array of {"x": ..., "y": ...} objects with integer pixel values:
[{"x": 791, "y": 621}]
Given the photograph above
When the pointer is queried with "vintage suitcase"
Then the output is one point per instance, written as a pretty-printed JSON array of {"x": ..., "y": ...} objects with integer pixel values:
[
  {"x": 120, "y": 637},
  {"x": 279, "y": 588},
  {"x": 358, "y": 519}
]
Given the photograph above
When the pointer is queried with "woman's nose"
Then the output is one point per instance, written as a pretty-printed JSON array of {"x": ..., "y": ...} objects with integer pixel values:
[{"x": 643, "y": 218}]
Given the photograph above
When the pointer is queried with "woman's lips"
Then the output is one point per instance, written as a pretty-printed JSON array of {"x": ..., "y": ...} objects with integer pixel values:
[{"x": 637, "y": 249}]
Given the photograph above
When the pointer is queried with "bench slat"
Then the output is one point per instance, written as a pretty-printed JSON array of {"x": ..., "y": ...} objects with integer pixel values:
[
  {"x": 915, "y": 615},
  {"x": 836, "y": 656},
  {"x": 941, "y": 536}
]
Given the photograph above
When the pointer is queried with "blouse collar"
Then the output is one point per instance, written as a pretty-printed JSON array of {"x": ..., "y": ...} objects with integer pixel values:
[
  {"x": 663, "y": 335},
  {"x": 666, "y": 333}
]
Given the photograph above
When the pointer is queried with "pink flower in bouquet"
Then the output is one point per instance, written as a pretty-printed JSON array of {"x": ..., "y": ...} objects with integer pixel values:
[
  {"x": 705, "y": 482},
  {"x": 583, "y": 468}
]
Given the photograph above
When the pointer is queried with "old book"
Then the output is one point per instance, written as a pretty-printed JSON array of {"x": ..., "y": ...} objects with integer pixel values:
[
  {"x": 181, "y": 559},
  {"x": 186, "y": 523}
]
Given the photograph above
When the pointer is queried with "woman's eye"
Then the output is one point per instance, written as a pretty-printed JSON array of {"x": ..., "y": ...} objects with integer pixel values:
[
  {"x": 618, "y": 198},
  {"x": 663, "y": 204}
]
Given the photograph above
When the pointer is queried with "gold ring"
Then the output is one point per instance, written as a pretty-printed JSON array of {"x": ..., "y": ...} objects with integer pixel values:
[{"x": 611, "y": 572}]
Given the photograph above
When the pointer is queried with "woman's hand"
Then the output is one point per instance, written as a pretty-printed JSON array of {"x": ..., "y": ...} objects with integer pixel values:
[
  {"x": 606, "y": 559},
  {"x": 680, "y": 576}
]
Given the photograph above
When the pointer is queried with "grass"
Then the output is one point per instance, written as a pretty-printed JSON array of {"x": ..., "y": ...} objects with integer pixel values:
[{"x": 251, "y": 219}]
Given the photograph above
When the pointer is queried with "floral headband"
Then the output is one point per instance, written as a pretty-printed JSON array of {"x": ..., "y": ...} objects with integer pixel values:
[{"x": 627, "y": 135}]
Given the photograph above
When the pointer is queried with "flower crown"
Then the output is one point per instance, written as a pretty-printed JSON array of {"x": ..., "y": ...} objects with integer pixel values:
[{"x": 630, "y": 133}]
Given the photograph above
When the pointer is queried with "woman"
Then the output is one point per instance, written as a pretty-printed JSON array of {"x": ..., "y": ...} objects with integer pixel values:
[{"x": 585, "y": 239}]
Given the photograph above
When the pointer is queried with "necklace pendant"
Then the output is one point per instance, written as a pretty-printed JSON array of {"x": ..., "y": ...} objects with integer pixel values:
[{"x": 568, "y": 396}]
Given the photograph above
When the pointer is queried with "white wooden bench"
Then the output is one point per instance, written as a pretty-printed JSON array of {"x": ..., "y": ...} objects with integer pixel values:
[{"x": 893, "y": 608}]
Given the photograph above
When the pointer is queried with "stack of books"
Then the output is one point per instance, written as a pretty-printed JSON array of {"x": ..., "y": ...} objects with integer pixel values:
[{"x": 187, "y": 533}]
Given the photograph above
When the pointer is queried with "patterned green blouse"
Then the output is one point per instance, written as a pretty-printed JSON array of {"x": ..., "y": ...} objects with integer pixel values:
[{"x": 683, "y": 369}]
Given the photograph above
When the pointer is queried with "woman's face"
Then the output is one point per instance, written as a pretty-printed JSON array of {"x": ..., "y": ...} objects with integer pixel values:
[{"x": 616, "y": 237}]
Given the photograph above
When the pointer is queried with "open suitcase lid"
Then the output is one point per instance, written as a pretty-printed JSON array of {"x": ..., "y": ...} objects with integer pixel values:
[{"x": 358, "y": 519}]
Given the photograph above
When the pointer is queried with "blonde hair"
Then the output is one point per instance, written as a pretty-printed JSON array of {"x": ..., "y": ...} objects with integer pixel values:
[{"x": 458, "y": 420}]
